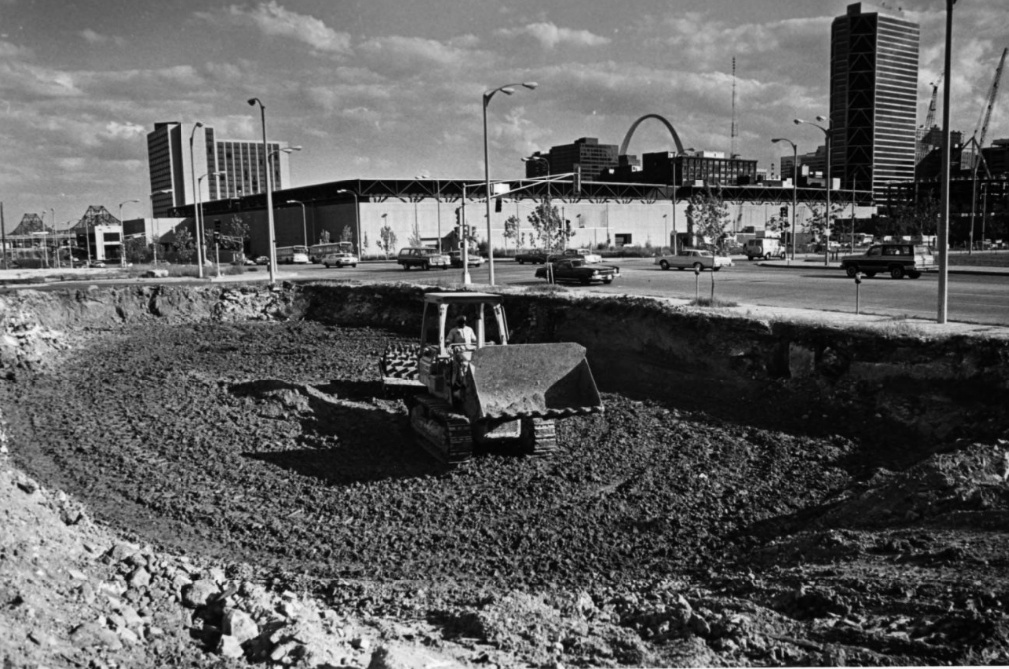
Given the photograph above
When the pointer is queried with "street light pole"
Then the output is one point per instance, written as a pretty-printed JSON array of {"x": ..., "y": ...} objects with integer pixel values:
[
  {"x": 304, "y": 222},
  {"x": 56, "y": 237},
  {"x": 269, "y": 194},
  {"x": 531, "y": 85},
  {"x": 201, "y": 233},
  {"x": 795, "y": 185},
  {"x": 943, "y": 236},
  {"x": 122, "y": 234},
  {"x": 154, "y": 222},
  {"x": 357, "y": 223},
  {"x": 196, "y": 200},
  {"x": 826, "y": 135}
]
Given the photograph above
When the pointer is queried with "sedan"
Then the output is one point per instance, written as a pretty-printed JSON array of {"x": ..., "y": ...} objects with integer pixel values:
[
  {"x": 97, "y": 263},
  {"x": 697, "y": 259},
  {"x": 339, "y": 260},
  {"x": 576, "y": 269},
  {"x": 262, "y": 260},
  {"x": 474, "y": 259}
]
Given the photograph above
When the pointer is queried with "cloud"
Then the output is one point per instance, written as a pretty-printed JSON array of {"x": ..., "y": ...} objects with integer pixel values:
[
  {"x": 273, "y": 20},
  {"x": 128, "y": 131},
  {"x": 91, "y": 37},
  {"x": 550, "y": 35},
  {"x": 399, "y": 54}
]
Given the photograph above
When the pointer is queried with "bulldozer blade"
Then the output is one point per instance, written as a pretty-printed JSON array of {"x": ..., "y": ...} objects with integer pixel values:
[{"x": 530, "y": 381}]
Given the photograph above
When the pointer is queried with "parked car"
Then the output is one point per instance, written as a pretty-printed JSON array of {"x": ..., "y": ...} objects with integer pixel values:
[
  {"x": 698, "y": 259},
  {"x": 535, "y": 257},
  {"x": 576, "y": 269},
  {"x": 473, "y": 259},
  {"x": 100, "y": 264},
  {"x": 262, "y": 260},
  {"x": 584, "y": 254},
  {"x": 423, "y": 257},
  {"x": 899, "y": 259},
  {"x": 339, "y": 259}
]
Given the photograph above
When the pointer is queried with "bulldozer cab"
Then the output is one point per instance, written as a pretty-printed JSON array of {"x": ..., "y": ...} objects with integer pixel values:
[{"x": 483, "y": 312}]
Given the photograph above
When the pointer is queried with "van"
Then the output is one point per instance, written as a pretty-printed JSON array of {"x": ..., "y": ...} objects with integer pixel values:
[{"x": 764, "y": 248}]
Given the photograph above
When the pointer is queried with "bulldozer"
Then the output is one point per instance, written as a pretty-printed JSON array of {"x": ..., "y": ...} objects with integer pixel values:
[{"x": 489, "y": 391}]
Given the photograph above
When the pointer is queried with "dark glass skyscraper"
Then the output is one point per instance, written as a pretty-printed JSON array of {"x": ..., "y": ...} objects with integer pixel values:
[{"x": 873, "y": 98}]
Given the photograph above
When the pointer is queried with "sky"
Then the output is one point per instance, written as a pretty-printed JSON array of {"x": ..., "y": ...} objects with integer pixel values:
[{"x": 392, "y": 89}]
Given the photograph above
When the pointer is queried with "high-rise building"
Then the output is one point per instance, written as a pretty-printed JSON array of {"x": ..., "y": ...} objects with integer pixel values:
[
  {"x": 586, "y": 153},
  {"x": 240, "y": 162},
  {"x": 873, "y": 98}
]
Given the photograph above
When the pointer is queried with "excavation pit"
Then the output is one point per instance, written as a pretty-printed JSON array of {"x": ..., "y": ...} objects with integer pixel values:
[{"x": 250, "y": 427}]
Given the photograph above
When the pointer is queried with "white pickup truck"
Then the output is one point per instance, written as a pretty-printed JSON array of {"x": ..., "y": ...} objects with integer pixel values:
[{"x": 584, "y": 254}]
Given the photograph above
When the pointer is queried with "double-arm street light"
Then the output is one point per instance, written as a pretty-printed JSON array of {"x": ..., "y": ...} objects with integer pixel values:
[
  {"x": 826, "y": 135},
  {"x": 795, "y": 185},
  {"x": 122, "y": 234},
  {"x": 507, "y": 90}
]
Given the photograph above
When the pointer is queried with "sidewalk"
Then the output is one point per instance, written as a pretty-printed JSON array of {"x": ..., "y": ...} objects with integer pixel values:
[{"x": 810, "y": 261}]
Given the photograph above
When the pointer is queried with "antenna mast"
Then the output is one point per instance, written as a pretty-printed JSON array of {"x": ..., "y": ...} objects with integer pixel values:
[{"x": 733, "y": 134}]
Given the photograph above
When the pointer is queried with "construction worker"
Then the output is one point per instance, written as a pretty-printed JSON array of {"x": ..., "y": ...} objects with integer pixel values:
[{"x": 461, "y": 333}]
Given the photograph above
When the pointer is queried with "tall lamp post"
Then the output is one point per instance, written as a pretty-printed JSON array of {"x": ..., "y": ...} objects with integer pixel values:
[
  {"x": 507, "y": 90},
  {"x": 269, "y": 194},
  {"x": 56, "y": 237},
  {"x": 196, "y": 196},
  {"x": 680, "y": 154},
  {"x": 201, "y": 235},
  {"x": 795, "y": 185},
  {"x": 122, "y": 234},
  {"x": 826, "y": 135},
  {"x": 154, "y": 222},
  {"x": 943, "y": 231},
  {"x": 437, "y": 198},
  {"x": 304, "y": 221},
  {"x": 357, "y": 222}
]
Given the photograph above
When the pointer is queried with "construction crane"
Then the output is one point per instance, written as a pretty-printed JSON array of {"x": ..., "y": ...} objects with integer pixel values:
[
  {"x": 973, "y": 146},
  {"x": 977, "y": 141},
  {"x": 924, "y": 147}
]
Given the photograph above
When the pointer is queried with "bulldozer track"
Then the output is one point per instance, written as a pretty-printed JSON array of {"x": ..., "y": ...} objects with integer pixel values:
[{"x": 445, "y": 434}]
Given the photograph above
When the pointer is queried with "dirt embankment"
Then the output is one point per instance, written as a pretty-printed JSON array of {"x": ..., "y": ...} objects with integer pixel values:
[{"x": 758, "y": 492}]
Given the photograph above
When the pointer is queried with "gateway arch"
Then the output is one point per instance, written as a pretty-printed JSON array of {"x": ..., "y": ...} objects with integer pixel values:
[{"x": 661, "y": 119}]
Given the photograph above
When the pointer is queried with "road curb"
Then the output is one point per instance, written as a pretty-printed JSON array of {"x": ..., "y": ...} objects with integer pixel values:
[{"x": 982, "y": 271}]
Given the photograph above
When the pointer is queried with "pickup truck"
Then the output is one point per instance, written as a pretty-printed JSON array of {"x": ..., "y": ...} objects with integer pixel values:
[
  {"x": 899, "y": 259},
  {"x": 698, "y": 259}
]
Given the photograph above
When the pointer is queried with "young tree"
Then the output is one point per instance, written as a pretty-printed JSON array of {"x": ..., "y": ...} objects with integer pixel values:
[
  {"x": 415, "y": 238},
  {"x": 183, "y": 244},
  {"x": 511, "y": 229},
  {"x": 364, "y": 245},
  {"x": 324, "y": 237},
  {"x": 137, "y": 250},
  {"x": 919, "y": 218},
  {"x": 346, "y": 235},
  {"x": 549, "y": 228},
  {"x": 708, "y": 218},
  {"x": 235, "y": 232},
  {"x": 818, "y": 225},
  {"x": 387, "y": 240}
]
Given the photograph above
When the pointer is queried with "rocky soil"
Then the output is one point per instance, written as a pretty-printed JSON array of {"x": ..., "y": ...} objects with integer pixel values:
[{"x": 216, "y": 494}]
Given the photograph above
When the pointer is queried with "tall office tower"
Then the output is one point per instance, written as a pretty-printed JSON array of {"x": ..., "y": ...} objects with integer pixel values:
[
  {"x": 240, "y": 162},
  {"x": 586, "y": 153},
  {"x": 873, "y": 98}
]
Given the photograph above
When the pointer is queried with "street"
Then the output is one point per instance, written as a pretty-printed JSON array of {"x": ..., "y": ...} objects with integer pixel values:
[{"x": 973, "y": 298}]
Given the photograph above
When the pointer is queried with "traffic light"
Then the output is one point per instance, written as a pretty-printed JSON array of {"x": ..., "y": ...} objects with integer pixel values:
[
  {"x": 217, "y": 230},
  {"x": 497, "y": 205},
  {"x": 458, "y": 220},
  {"x": 784, "y": 211}
]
